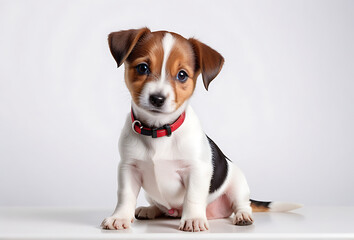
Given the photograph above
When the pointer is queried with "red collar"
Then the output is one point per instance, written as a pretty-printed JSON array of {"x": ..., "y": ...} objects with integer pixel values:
[{"x": 165, "y": 130}]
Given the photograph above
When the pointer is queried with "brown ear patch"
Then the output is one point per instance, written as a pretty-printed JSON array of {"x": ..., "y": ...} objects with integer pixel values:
[
  {"x": 208, "y": 61},
  {"x": 122, "y": 43}
]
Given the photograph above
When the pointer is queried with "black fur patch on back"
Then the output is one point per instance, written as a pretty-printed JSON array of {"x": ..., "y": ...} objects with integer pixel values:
[
  {"x": 260, "y": 203},
  {"x": 220, "y": 166}
]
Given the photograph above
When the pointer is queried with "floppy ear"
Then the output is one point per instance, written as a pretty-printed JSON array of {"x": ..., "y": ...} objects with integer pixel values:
[
  {"x": 208, "y": 61},
  {"x": 122, "y": 43}
]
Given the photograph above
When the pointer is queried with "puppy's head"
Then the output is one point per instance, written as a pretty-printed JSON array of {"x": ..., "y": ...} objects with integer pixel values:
[{"x": 161, "y": 68}]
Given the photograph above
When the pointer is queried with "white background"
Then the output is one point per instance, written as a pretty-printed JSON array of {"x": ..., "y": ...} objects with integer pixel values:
[{"x": 282, "y": 107}]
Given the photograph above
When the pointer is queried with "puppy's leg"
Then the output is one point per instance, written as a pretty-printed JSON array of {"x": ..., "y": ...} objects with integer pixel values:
[
  {"x": 129, "y": 184},
  {"x": 194, "y": 207},
  {"x": 238, "y": 193}
]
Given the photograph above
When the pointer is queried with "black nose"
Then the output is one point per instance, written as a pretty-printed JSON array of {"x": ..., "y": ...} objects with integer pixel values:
[{"x": 157, "y": 100}]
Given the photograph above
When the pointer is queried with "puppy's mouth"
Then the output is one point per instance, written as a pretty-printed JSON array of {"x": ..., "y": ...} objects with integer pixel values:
[{"x": 157, "y": 111}]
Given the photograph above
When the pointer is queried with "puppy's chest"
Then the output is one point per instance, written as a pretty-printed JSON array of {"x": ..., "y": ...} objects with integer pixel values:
[{"x": 163, "y": 169}]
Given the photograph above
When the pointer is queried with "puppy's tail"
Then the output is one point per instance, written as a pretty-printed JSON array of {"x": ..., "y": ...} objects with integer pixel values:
[{"x": 260, "y": 206}]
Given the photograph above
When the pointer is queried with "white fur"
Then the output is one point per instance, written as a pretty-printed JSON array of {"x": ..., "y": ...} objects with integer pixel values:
[
  {"x": 170, "y": 159},
  {"x": 283, "y": 206},
  {"x": 167, "y": 43}
]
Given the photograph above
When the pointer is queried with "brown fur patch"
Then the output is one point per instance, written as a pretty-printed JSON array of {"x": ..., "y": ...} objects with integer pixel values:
[
  {"x": 181, "y": 58},
  {"x": 257, "y": 208},
  {"x": 148, "y": 50},
  {"x": 122, "y": 43},
  {"x": 208, "y": 61}
]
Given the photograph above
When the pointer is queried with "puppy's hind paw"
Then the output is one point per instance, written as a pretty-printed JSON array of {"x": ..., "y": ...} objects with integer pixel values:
[
  {"x": 150, "y": 212},
  {"x": 242, "y": 219}
]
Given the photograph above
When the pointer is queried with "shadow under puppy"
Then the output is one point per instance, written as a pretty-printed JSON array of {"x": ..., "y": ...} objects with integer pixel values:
[{"x": 162, "y": 146}]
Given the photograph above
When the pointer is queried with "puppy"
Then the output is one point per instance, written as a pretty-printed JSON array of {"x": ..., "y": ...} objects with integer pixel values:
[{"x": 162, "y": 146}]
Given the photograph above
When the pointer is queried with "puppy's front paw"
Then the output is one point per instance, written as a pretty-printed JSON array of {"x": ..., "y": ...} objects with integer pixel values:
[
  {"x": 242, "y": 218},
  {"x": 194, "y": 225},
  {"x": 116, "y": 223}
]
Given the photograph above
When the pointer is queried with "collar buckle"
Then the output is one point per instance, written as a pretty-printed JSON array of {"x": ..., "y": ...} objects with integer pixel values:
[
  {"x": 168, "y": 129},
  {"x": 154, "y": 132},
  {"x": 139, "y": 124}
]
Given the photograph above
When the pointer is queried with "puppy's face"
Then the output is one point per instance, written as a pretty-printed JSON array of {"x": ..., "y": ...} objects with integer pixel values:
[
  {"x": 161, "y": 68},
  {"x": 160, "y": 72}
]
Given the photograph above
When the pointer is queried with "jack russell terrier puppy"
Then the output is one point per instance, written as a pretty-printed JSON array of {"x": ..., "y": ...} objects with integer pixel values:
[{"x": 162, "y": 146}]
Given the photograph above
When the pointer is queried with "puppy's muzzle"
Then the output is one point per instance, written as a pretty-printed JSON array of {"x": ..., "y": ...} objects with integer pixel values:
[{"x": 157, "y": 100}]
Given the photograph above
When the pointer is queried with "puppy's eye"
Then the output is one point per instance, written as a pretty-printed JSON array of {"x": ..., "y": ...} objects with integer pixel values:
[
  {"x": 143, "y": 69},
  {"x": 182, "y": 76}
]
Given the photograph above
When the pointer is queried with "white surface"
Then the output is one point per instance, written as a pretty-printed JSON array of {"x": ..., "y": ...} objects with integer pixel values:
[
  {"x": 286, "y": 89},
  {"x": 75, "y": 223}
]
